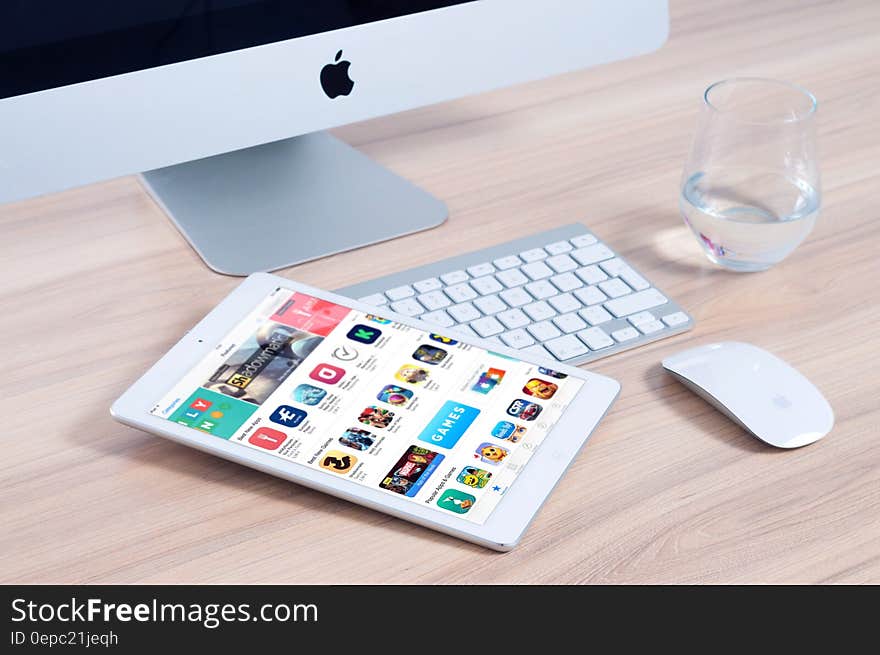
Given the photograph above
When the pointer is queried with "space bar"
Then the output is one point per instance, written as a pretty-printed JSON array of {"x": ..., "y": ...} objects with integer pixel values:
[{"x": 635, "y": 302}]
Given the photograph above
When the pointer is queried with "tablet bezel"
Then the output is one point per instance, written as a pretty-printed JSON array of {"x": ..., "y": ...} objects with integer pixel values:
[{"x": 506, "y": 523}]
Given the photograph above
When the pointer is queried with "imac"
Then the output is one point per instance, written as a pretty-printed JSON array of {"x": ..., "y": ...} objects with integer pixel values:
[{"x": 220, "y": 105}]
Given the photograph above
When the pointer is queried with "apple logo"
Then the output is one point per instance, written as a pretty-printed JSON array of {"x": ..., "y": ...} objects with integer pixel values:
[{"x": 334, "y": 78}]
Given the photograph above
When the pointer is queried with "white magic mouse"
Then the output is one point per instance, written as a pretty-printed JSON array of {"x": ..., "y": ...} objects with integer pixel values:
[{"x": 756, "y": 389}]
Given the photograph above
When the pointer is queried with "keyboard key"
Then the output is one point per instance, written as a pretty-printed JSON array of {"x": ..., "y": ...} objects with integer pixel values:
[
  {"x": 566, "y": 347},
  {"x": 583, "y": 240},
  {"x": 595, "y": 338},
  {"x": 407, "y": 307},
  {"x": 537, "y": 270},
  {"x": 678, "y": 318},
  {"x": 625, "y": 334},
  {"x": 565, "y": 303},
  {"x": 595, "y": 315},
  {"x": 544, "y": 330},
  {"x": 511, "y": 278},
  {"x": 559, "y": 247},
  {"x": 590, "y": 295},
  {"x": 487, "y": 326},
  {"x": 517, "y": 339},
  {"x": 399, "y": 293},
  {"x": 618, "y": 268},
  {"x": 650, "y": 327},
  {"x": 513, "y": 318},
  {"x": 569, "y": 323},
  {"x": 511, "y": 261},
  {"x": 533, "y": 255},
  {"x": 541, "y": 289},
  {"x": 592, "y": 254},
  {"x": 460, "y": 292},
  {"x": 466, "y": 330},
  {"x": 486, "y": 285},
  {"x": 516, "y": 297},
  {"x": 561, "y": 263},
  {"x": 464, "y": 313},
  {"x": 431, "y": 284},
  {"x": 641, "y": 317},
  {"x": 440, "y": 318},
  {"x": 375, "y": 299},
  {"x": 490, "y": 304},
  {"x": 481, "y": 269},
  {"x": 537, "y": 350},
  {"x": 566, "y": 281},
  {"x": 434, "y": 300},
  {"x": 591, "y": 274},
  {"x": 455, "y": 277},
  {"x": 635, "y": 302},
  {"x": 539, "y": 311},
  {"x": 615, "y": 287}
]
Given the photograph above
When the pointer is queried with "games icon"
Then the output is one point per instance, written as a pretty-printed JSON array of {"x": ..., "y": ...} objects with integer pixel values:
[
  {"x": 412, "y": 374},
  {"x": 429, "y": 354},
  {"x": 524, "y": 409},
  {"x": 376, "y": 417},
  {"x": 357, "y": 439},
  {"x": 394, "y": 395},
  {"x": 442, "y": 339},
  {"x": 337, "y": 461},
  {"x": 471, "y": 476},
  {"x": 378, "y": 319},
  {"x": 509, "y": 431},
  {"x": 553, "y": 374},
  {"x": 489, "y": 453},
  {"x": 411, "y": 471},
  {"x": 540, "y": 388},
  {"x": 308, "y": 394},
  {"x": 456, "y": 501}
]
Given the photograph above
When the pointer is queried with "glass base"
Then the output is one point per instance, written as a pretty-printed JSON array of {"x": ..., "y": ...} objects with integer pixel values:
[{"x": 738, "y": 266}]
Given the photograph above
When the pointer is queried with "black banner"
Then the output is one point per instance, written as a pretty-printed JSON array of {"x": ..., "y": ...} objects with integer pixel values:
[{"x": 414, "y": 619}]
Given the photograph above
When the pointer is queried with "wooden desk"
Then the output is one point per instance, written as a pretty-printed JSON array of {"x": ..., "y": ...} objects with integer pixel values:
[{"x": 98, "y": 284}]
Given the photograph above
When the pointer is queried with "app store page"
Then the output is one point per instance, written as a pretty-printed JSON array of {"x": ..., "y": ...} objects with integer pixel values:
[{"x": 409, "y": 412}]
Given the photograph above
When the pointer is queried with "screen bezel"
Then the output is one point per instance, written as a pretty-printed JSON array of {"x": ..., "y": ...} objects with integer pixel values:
[{"x": 503, "y": 527}]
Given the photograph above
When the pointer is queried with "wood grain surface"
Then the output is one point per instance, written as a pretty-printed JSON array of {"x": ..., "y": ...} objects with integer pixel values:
[{"x": 97, "y": 285}]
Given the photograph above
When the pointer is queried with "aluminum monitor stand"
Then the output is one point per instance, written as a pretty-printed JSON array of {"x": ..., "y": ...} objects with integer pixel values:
[{"x": 287, "y": 202}]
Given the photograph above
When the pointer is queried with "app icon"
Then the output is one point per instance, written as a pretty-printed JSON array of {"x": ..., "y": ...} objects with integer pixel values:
[
  {"x": 345, "y": 353},
  {"x": 394, "y": 395},
  {"x": 378, "y": 319},
  {"x": 490, "y": 453},
  {"x": 509, "y": 431},
  {"x": 288, "y": 416},
  {"x": 357, "y": 439},
  {"x": 471, "y": 476},
  {"x": 200, "y": 404},
  {"x": 442, "y": 339},
  {"x": 364, "y": 334},
  {"x": 308, "y": 395},
  {"x": 412, "y": 374},
  {"x": 488, "y": 380},
  {"x": 429, "y": 354},
  {"x": 524, "y": 409},
  {"x": 327, "y": 373},
  {"x": 456, "y": 501},
  {"x": 540, "y": 388},
  {"x": 337, "y": 461},
  {"x": 267, "y": 438},
  {"x": 411, "y": 471},
  {"x": 213, "y": 413},
  {"x": 376, "y": 417},
  {"x": 552, "y": 373}
]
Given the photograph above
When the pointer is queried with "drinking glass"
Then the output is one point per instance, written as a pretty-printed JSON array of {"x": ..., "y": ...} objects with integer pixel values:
[{"x": 750, "y": 188}]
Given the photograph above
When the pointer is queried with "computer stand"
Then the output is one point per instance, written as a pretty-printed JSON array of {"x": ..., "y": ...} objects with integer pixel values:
[{"x": 283, "y": 203}]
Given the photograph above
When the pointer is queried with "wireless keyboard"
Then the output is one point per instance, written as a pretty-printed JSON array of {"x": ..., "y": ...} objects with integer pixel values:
[{"x": 561, "y": 293}]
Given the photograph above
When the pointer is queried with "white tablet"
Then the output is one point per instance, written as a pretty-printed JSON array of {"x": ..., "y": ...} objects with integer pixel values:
[{"x": 445, "y": 430}]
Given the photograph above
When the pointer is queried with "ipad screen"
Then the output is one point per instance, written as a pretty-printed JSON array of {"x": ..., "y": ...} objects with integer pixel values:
[{"x": 413, "y": 413}]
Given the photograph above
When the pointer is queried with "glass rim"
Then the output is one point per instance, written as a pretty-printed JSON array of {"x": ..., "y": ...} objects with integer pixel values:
[{"x": 800, "y": 116}]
